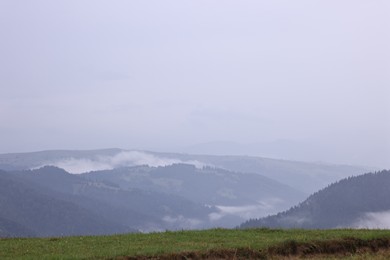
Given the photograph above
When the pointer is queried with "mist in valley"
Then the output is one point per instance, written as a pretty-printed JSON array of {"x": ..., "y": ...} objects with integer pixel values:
[{"x": 189, "y": 114}]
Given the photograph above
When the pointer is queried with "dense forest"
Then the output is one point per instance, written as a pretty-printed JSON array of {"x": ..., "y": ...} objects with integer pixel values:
[{"x": 347, "y": 203}]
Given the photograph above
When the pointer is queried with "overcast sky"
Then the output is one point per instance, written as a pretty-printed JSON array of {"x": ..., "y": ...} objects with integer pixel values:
[{"x": 165, "y": 75}]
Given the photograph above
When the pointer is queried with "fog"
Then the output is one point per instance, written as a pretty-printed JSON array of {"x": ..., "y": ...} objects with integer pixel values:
[
  {"x": 302, "y": 80},
  {"x": 262, "y": 209},
  {"x": 374, "y": 220},
  {"x": 121, "y": 159}
]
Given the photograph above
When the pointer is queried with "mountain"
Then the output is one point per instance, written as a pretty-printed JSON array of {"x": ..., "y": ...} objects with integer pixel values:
[
  {"x": 295, "y": 150},
  {"x": 9, "y": 228},
  {"x": 307, "y": 177},
  {"x": 31, "y": 210},
  {"x": 303, "y": 176},
  {"x": 360, "y": 201},
  {"x": 139, "y": 198},
  {"x": 24, "y": 161},
  {"x": 207, "y": 186},
  {"x": 131, "y": 208},
  {"x": 282, "y": 148},
  {"x": 150, "y": 191}
]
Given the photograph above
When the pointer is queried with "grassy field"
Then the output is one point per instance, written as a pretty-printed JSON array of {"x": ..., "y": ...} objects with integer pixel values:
[{"x": 213, "y": 243}]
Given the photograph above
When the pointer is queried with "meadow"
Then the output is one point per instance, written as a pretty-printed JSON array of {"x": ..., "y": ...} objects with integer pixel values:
[{"x": 214, "y": 243}]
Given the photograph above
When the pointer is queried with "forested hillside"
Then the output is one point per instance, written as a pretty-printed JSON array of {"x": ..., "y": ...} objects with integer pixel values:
[
  {"x": 52, "y": 202},
  {"x": 361, "y": 201}
]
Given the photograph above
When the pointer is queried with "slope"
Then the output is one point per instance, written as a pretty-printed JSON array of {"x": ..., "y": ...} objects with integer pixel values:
[
  {"x": 238, "y": 196},
  {"x": 306, "y": 177},
  {"x": 361, "y": 201},
  {"x": 29, "y": 210},
  {"x": 134, "y": 208}
]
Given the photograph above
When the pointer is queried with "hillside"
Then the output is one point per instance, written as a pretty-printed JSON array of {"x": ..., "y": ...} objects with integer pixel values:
[
  {"x": 136, "y": 198},
  {"x": 229, "y": 190},
  {"x": 64, "y": 198},
  {"x": 31, "y": 210},
  {"x": 147, "y": 191},
  {"x": 307, "y": 177},
  {"x": 361, "y": 201}
]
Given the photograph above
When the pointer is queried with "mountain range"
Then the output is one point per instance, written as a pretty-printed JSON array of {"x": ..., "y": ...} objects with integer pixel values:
[
  {"x": 57, "y": 193},
  {"x": 304, "y": 176}
]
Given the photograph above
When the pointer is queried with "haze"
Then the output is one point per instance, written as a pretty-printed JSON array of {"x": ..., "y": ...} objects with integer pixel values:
[{"x": 302, "y": 80}]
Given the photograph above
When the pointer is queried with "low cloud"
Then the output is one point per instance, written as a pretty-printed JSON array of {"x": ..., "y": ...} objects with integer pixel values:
[
  {"x": 262, "y": 209},
  {"x": 121, "y": 159},
  {"x": 374, "y": 220},
  {"x": 78, "y": 166}
]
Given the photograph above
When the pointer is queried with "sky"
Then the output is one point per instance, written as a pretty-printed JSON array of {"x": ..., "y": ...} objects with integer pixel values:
[{"x": 308, "y": 77}]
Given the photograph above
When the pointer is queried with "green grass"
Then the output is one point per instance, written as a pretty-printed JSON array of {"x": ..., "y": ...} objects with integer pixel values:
[{"x": 103, "y": 247}]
